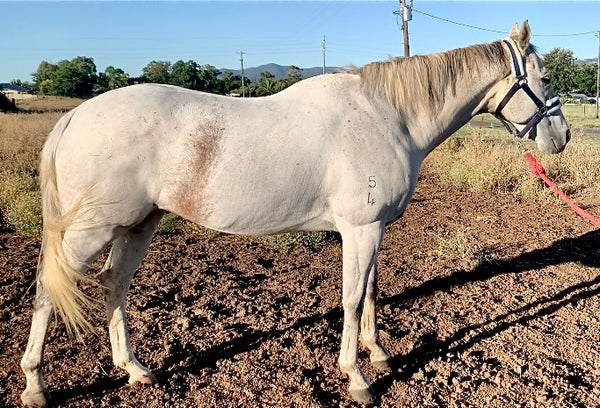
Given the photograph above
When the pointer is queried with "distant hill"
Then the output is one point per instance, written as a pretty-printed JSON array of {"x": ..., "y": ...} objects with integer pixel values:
[
  {"x": 586, "y": 61},
  {"x": 279, "y": 71}
]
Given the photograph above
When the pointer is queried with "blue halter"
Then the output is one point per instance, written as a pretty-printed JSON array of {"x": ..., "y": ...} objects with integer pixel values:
[{"x": 543, "y": 109}]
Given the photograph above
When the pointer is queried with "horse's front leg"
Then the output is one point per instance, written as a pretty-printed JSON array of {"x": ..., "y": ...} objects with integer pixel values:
[
  {"x": 369, "y": 335},
  {"x": 360, "y": 246}
]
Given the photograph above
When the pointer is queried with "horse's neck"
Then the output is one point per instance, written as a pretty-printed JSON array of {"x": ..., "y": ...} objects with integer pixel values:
[{"x": 464, "y": 98}]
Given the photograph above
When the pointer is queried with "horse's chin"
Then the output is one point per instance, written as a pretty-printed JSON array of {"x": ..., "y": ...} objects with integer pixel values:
[{"x": 549, "y": 145}]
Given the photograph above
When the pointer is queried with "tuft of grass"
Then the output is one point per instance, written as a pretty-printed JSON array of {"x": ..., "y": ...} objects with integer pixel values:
[
  {"x": 314, "y": 240},
  {"x": 484, "y": 161},
  {"x": 169, "y": 224},
  {"x": 456, "y": 245}
]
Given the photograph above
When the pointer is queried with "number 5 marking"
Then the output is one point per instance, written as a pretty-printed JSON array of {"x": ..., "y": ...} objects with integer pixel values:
[{"x": 372, "y": 182}]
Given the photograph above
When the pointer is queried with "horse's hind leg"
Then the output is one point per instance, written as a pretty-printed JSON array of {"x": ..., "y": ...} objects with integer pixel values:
[
  {"x": 126, "y": 254},
  {"x": 36, "y": 393},
  {"x": 80, "y": 249},
  {"x": 369, "y": 335}
]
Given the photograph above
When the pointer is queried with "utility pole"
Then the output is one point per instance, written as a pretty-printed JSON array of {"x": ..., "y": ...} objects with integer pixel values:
[
  {"x": 323, "y": 44},
  {"x": 406, "y": 14},
  {"x": 598, "y": 78},
  {"x": 242, "y": 65}
]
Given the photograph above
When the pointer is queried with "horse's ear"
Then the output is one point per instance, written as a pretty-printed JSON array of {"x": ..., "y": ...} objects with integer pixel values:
[
  {"x": 514, "y": 33},
  {"x": 524, "y": 36}
]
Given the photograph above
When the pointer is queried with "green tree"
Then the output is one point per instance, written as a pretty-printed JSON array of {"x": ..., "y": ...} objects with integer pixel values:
[
  {"x": 42, "y": 77},
  {"x": 266, "y": 84},
  {"x": 185, "y": 74},
  {"x": 158, "y": 72},
  {"x": 293, "y": 74},
  {"x": 561, "y": 67},
  {"x": 585, "y": 78},
  {"x": 112, "y": 78},
  {"x": 76, "y": 77},
  {"x": 64, "y": 81},
  {"x": 86, "y": 75},
  {"x": 209, "y": 79},
  {"x": 230, "y": 83}
]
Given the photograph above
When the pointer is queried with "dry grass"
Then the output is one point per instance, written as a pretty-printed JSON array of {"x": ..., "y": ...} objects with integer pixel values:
[
  {"x": 48, "y": 104},
  {"x": 21, "y": 139},
  {"x": 483, "y": 162}
]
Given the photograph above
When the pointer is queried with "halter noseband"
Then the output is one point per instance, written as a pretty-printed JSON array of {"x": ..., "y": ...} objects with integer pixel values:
[{"x": 543, "y": 109}]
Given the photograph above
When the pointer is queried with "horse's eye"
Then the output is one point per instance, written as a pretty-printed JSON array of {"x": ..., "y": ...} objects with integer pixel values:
[{"x": 546, "y": 80}]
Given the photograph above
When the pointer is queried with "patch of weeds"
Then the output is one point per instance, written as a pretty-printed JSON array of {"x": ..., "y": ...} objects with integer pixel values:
[
  {"x": 20, "y": 203},
  {"x": 169, "y": 224},
  {"x": 456, "y": 245},
  {"x": 314, "y": 241}
]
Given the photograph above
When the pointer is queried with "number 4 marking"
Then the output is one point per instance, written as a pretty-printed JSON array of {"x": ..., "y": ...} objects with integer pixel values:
[{"x": 370, "y": 199}]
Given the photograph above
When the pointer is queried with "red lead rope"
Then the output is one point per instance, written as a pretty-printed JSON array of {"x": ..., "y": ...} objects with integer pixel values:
[{"x": 537, "y": 170}]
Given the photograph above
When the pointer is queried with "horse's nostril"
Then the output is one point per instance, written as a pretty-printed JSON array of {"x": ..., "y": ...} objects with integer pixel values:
[{"x": 568, "y": 135}]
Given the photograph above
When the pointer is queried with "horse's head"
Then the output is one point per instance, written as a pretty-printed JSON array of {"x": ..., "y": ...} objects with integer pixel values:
[{"x": 526, "y": 103}]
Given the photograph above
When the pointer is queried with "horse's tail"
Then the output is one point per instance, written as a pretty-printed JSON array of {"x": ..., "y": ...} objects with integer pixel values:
[{"x": 58, "y": 277}]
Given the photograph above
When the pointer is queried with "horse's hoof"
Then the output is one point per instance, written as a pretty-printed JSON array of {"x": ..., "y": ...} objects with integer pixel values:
[
  {"x": 35, "y": 398},
  {"x": 362, "y": 395},
  {"x": 146, "y": 379},
  {"x": 383, "y": 365}
]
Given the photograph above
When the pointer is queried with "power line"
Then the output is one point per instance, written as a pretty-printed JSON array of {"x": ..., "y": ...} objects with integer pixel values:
[
  {"x": 498, "y": 31},
  {"x": 457, "y": 23}
]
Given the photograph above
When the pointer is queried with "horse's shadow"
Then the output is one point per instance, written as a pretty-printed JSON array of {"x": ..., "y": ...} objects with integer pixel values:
[{"x": 583, "y": 249}]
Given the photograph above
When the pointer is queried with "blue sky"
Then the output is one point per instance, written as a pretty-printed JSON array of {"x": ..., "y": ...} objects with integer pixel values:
[{"x": 129, "y": 34}]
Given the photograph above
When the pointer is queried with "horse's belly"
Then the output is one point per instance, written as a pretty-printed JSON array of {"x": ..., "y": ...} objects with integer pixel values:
[
  {"x": 236, "y": 211},
  {"x": 257, "y": 199}
]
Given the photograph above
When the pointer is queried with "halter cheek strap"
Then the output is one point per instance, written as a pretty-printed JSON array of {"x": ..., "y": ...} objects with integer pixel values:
[
  {"x": 518, "y": 61},
  {"x": 548, "y": 108}
]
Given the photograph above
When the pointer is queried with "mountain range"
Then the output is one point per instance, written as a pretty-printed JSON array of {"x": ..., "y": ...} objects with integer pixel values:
[
  {"x": 586, "y": 61},
  {"x": 278, "y": 71}
]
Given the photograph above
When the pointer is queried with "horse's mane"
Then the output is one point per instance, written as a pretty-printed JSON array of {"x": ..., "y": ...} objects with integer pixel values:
[{"x": 422, "y": 82}]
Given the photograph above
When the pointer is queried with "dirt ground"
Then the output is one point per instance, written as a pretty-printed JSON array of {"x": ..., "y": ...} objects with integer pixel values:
[{"x": 485, "y": 301}]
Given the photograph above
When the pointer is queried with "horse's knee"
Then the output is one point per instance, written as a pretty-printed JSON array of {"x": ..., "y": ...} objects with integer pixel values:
[{"x": 29, "y": 365}]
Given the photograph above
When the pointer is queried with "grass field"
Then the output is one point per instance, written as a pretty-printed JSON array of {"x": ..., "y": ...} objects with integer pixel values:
[
  {"x": 476, "y": 158},
  {"x": 582, "y": 116}
]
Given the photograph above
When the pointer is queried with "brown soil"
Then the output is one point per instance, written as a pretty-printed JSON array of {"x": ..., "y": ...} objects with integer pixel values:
[{"x": 506, "y": 316}]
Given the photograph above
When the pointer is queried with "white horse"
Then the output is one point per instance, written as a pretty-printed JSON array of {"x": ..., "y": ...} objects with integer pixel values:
[{"x": 336, "y": 152}]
